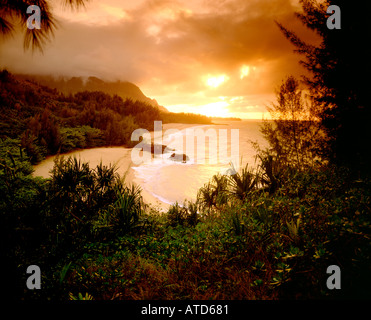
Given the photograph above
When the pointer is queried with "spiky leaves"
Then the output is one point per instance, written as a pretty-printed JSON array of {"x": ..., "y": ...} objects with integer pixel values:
[{"x": 13, "y": 13}]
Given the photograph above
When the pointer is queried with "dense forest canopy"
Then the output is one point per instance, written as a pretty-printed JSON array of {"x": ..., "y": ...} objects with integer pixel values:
[
  {"x": 72, "y": 85},
  {"x": 47, "y": 121}
]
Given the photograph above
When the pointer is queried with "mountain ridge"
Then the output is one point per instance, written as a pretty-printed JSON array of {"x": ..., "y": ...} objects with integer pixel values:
[{"x": 72, "y": 85}]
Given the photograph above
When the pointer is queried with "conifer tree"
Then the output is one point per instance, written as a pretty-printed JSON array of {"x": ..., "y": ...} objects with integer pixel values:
[{"x": 339, "y": 66}]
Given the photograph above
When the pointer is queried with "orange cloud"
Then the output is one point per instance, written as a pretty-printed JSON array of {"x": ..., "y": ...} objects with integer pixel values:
[{"x": 168, "y": 47}]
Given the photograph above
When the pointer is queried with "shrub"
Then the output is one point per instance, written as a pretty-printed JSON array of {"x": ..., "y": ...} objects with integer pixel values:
[
  {"x": 242, "y": 183},
  {"x": 213, "y": 195},
  {"x": 81, "y": 137},
  {"x": 186, "y": 215},
  {"x": 128, "y": 208}
]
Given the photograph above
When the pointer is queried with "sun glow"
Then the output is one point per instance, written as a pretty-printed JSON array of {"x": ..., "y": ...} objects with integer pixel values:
[
  {"x": 215, "y": 109},
  {"x": 216, "y": 81},
  {"x": 245, "y": 70}
]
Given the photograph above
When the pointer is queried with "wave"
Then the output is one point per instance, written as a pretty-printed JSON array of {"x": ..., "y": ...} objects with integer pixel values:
[{"x": 173, "y": 181}]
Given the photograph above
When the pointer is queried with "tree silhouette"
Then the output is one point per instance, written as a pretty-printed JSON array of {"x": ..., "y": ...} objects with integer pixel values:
[
  {"x": 13, "y": 11},
  {"x": 339, "y": 66},
  {"x": 294, "y": 131}
]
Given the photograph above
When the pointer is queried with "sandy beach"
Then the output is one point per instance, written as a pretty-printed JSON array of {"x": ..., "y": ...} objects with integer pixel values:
[
  {"x": 163, "y": 181},
  {"x": 119, "y": 156},
  {"x": 114, "y": 155}
]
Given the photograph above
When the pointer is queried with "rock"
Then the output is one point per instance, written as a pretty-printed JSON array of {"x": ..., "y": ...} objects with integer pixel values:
[
  {"x": 163, "y": 147},
  {"x": 179, "y": 157}
]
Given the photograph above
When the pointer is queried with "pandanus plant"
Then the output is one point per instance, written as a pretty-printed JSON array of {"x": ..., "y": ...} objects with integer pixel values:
[{"x": 242, "y": 183}]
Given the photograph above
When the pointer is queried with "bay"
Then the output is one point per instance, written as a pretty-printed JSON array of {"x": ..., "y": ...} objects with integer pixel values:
[{"x": 165, "y": 181}]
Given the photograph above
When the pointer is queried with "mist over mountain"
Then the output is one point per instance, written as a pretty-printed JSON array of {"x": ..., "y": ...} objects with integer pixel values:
[
  {"x": 123, "y": 89},
  {"x": 44, "y": 120}
]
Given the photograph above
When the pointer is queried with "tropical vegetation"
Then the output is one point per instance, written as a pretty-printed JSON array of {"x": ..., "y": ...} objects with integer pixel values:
[{"x": 265, "y": 232}]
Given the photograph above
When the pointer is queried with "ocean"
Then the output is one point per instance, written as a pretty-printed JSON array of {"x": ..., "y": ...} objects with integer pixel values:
[
  {"x": 165, "y": 178},
  {"x": 176, "y": 181}
]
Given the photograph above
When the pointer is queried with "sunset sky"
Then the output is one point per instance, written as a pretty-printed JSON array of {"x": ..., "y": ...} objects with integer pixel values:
[{"x": 214, "y": 57}]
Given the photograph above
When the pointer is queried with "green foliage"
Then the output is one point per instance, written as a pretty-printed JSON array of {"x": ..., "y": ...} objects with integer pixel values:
[
  {"x": 48, "y": 122},
  {"x": 242, "y": 183},
  {"x": 46, "y": 130},
  {"x": 34, "y": 151},
  {"x": 294, "y": 133},
  {"x": 272, "y": 171},
  {"x": 81, "y": 297},
  {"x": 238, "y": 225},
  {"x": 299, "y": 229},
  {"x": 335, "y": 81},
  {"x": 80, "y": 138},
  {"x": 17, "y": 187},
  {"x": 186, "y": 215},
  {"x": 128, "y": 207},
  {"x": 264, "y": 234},
  {"x": 213, "y": 194},
  {"x": 97, "y": 235}
]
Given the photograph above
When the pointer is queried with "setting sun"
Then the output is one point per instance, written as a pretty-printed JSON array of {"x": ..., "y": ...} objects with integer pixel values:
[
  {"x": 215, "y": 109},
  {"x": 216, "y": 81}
]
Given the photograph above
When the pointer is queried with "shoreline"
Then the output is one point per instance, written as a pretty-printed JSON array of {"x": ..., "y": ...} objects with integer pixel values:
[
  {"x": 105, "y": 154},
  {"x": 121, "y": 157}
]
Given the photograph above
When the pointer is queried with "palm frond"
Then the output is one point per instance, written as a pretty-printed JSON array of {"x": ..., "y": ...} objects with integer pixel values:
[
  {"x": 75, "y": 3},
  {"x": 242, "y": 183},
  {"x": 17, "y": 10},
  {"x": 129, "y": 206},
  {"x": 37, "y": 38},
  {"x": 6, "y": 27}
]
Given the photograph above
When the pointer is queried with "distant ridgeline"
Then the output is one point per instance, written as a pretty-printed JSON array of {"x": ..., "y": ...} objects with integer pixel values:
[
  {"x": 124, "y": 89},
  {"x": 46, "y": 116}
]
